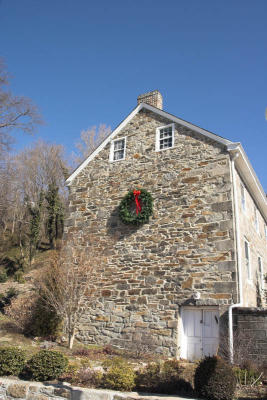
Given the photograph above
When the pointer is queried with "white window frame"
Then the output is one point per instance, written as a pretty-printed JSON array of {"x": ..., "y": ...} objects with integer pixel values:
[
  {"x": 247, "y": 260},
  {"x": 243, "y": 197},
  {"x": 256, "y": 219},
  {"x": 111, "y": 154},
  {"x": 265, "y": 231},
  {"x": 158, "y": 137},
  {"x": 261, "y": 273}
]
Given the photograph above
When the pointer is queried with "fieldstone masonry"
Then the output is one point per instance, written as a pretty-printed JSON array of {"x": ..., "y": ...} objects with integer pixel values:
[
  {"x": 187, "y": 246},
  {"x": 251, "y": 326},
  {"x": 22, "y": 390}
]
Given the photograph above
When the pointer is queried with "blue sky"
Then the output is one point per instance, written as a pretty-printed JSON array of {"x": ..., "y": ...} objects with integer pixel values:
[{"x": 85, "y": 62}]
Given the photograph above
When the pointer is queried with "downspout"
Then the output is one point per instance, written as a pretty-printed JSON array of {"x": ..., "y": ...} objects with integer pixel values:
[{"x": 238, "y": 259}]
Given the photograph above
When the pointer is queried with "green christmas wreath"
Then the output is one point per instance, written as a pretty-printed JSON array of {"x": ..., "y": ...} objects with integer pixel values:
[{"x": 136, "y": 207}]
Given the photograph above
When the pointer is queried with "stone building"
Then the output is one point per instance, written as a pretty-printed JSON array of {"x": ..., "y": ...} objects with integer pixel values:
[{"x": 170, "y": 282}]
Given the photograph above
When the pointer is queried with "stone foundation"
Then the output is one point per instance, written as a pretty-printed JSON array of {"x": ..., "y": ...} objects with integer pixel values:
[{"x": 250, "y": 326}]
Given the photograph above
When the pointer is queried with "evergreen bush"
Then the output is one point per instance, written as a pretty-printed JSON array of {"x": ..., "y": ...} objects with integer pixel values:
[
  {"x": 12, "y": 361},
  {"x": 44, "y": 321},
  {"x": 215, "y": 379},
  {"x": 47, "y": 365},
  {"x": 119, "y": 376}
]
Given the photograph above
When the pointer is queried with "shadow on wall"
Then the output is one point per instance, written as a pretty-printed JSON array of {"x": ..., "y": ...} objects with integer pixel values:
[
  {"x": 62, "y": 390},
  {"x": 117, "y": 229},
  {"x": 224, "y": 350}
]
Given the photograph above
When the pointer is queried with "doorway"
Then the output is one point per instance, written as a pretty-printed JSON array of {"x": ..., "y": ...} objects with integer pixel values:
[{"x": 200, "y": 332}]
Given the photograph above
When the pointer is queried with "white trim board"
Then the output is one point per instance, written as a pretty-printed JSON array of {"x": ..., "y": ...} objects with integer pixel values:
[{"x": 155, "y": 110}]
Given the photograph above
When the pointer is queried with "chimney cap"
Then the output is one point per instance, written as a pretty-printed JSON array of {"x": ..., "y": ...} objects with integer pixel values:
[{"x": 153, "y": 98}]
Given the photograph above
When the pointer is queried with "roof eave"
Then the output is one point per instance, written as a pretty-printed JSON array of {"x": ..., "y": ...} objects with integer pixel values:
[
  {"x": 103, "y": 144},
  {"x": 249, "y": 177}
]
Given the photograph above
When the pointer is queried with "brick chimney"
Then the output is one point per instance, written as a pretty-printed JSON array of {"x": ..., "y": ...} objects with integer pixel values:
[{"x": 153, "y": 98}]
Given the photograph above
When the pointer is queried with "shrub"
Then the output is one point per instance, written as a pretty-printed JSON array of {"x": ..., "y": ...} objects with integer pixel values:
[
  {"x": 109, "y": 350},
  {"x": 119, "y": 376},
  {"x": 247, "y": 376},
  {"x": 215, "y": 379},
  {"x": 83, "y": 374},
  {"x": 3, "y": 276},
  {"x": 170, "y": 378},
  {"x": 45, "y": 321},
  {"x": 82, "y": 352},
  {"x": 47, "y": 365},
  {"x": 69, "y": 375},
  {"x": 20, "y": 311},
  {"x": 32, "y": 317},
  {"x": 93, "y": 352},
  {"x": 5, "y": 299},
  {"x": 12, "y": 361},
  {"x": 88, "y": 377},
  {"x": 18, "y": 276},
  {"x": 13, "y": 264},
  {"x": 147, "y": 379},
  {"x": 163, "y": 378}
]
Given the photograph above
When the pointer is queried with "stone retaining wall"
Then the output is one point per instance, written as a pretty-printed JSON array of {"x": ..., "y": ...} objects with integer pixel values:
[
  {"x": 250, "y": 327},
  {"x": 22, "y": 390}
]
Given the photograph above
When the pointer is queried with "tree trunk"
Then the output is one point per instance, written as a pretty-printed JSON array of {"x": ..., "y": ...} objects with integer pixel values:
[
  {"x": 71, "y": 338},
  {"x": 52, "y": 243},
  {"x": 13, "y": 224}
]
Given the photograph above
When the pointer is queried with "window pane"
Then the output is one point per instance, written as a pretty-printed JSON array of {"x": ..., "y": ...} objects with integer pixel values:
[
  {"x": 165, "y": 132},
  {"x": 118, "y": 154},
  {"x": 119, "y": 145},
  {"x": 165, "y": 143}
]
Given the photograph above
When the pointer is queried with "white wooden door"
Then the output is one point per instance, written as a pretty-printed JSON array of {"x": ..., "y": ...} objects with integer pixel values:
[
  {"x": 200, "y": 333},
  {"x": 210, "y": 337}
]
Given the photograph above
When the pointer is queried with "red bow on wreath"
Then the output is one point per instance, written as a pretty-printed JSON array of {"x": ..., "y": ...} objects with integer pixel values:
[{"x": 136, "y": 194}]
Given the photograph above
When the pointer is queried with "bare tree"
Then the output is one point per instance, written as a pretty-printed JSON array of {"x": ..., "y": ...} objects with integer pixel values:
[
  {"x": 67, "y": 284},
  {"x": 16, "y": 112},
  {"x": 23, "y": 178},
  {"x": 90, "y": 139}
]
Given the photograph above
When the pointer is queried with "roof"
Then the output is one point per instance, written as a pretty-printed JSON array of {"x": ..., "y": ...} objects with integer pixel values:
[{"x": 242, "y": 163}]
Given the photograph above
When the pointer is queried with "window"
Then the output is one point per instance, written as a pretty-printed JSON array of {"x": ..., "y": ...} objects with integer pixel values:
[
  {"x": 256, "y": 219},
  {"x": 243, "y": 198},
  {"x": 165, "y": 137},
  {"x": 247, "y": 260},
  {"x": 261, "y": 274},
  {"x": 117, "y": 150}
]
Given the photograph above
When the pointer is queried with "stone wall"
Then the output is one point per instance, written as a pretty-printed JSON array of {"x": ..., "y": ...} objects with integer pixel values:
[
  {"x": 10, "y": 390},
  {"x": 187, "y": 246},
  {"x": 253, "y": 290},
  {"x": 250, "y": 331}
]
